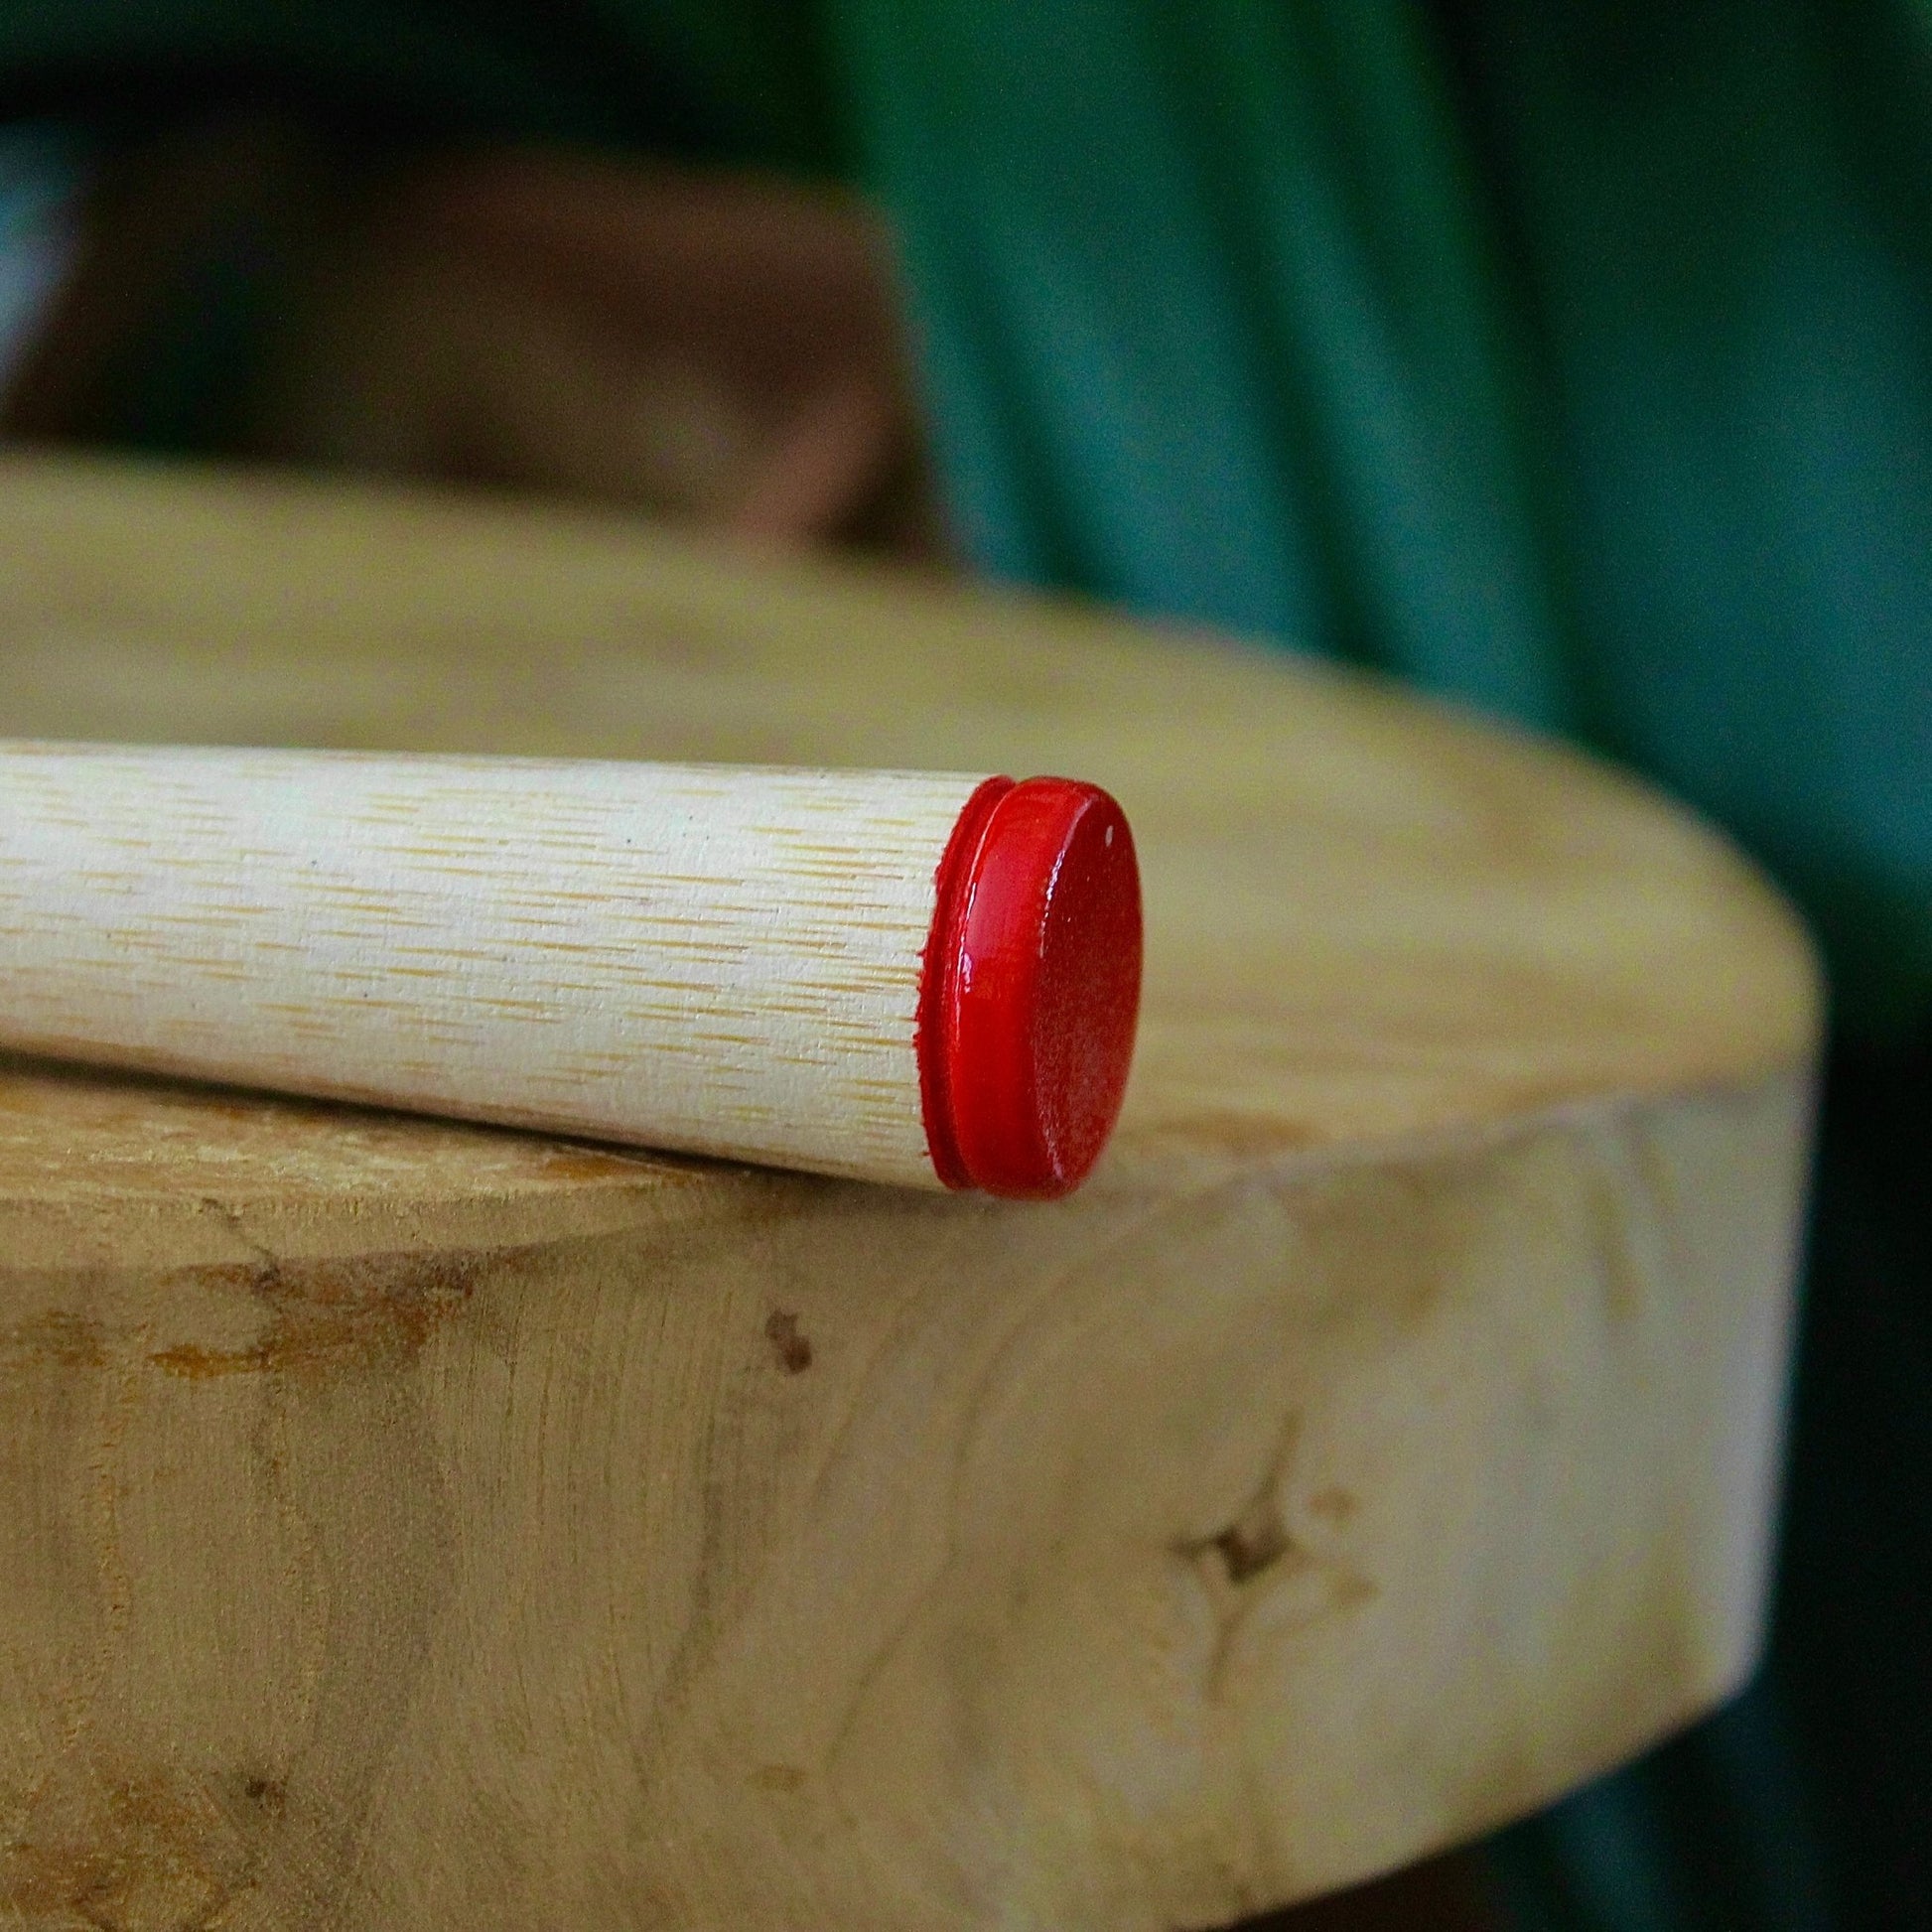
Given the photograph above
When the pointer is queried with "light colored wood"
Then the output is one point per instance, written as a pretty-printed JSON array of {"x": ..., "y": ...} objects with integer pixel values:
[
  {"x": 705, "y": 958},
  {"x": 414, "y": 1525}
]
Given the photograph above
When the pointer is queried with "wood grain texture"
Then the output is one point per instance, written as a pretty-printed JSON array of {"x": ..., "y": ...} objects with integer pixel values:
[
  {"x": 417, "y": 1525},
  {"x": 705, "y": 958}
]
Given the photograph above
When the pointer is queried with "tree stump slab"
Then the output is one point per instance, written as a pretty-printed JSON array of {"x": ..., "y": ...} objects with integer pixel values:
[{"x": 413, "y": 1525}]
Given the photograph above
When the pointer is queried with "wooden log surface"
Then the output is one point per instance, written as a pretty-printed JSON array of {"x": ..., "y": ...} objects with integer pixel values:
[{"x": 415, "y": 1525}]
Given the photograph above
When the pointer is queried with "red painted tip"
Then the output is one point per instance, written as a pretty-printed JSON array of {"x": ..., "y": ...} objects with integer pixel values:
[{"x": 1031, "y": 988}]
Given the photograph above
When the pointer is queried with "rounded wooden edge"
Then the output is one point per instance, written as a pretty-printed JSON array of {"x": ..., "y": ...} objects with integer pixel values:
[{"x": 1379, "y": 1468}]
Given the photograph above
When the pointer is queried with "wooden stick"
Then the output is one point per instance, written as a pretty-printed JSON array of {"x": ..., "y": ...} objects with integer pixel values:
[{"x": 910, "y": 977}]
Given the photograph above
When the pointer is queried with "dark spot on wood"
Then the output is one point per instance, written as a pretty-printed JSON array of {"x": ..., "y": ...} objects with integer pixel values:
[
  {"x": 791, "y": 1348},
  {"x": 777, "y": 1777},
  {"x": 1255, "y": 1541},
  {"x": 271, "y": 1794},
  {"x": 1258, "y": 1538}
]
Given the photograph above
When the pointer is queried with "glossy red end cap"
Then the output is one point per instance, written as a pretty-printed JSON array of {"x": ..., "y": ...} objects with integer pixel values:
[{"x": 1031, "y": 988}]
